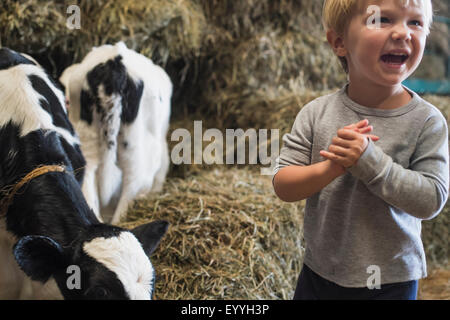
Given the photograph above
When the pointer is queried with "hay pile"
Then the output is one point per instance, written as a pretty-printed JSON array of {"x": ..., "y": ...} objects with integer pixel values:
[
  {"x": 220, "y": 54},
  {"x": 157, "y": 28},
  {"x": 229, "y": 237}
]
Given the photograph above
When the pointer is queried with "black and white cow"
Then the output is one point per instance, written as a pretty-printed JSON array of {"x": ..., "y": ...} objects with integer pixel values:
[
  {"x": 120, "y": 107},
  {"x": 48, "y": 228}
]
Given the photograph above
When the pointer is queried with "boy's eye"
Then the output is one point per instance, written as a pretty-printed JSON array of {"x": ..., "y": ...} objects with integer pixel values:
[
  {"x": 416, "y": 23},
  {"x": 381, "y": 20}
]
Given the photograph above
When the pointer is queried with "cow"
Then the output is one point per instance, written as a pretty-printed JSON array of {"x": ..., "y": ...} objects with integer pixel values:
[
  {"x": 47, "y": 229},
  {"x": 120, "y": 107}
]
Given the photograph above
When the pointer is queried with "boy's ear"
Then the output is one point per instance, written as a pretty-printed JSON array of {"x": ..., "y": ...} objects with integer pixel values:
[
  {"x": 39, "y": 257},
  {"x": 337, "y": 43}
]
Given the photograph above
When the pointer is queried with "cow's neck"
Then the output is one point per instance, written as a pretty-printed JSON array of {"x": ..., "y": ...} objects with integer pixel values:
[{"x": 51, "y": 205}]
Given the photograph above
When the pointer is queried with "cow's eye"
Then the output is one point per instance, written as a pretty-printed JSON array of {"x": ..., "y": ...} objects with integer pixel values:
[{"x": 100, "y": 292}]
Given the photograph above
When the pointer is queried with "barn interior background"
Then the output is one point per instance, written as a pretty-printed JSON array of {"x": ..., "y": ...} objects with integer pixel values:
[{"x": 234, "y": 64}]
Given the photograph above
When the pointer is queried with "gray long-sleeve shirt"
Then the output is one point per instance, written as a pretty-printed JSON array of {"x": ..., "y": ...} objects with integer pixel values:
[{"x": 371, "y": 216}]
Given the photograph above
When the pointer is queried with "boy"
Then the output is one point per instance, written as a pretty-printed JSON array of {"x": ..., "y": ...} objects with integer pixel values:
[{"x": 368, "y": 187}]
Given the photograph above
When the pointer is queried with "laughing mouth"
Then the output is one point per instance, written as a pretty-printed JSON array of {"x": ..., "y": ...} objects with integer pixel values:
[{"x": 395, "y": 59}]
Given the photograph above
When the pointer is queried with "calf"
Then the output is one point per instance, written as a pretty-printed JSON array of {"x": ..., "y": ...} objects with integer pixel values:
[
  {"x": 120, "y": 107},
  {"x": 46, "y": 227}
]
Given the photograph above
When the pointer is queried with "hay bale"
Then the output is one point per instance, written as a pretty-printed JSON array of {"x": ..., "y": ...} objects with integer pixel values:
[
  {"x": 256, "y": 68},
  {"x": 257, "y": 47},
  {"x": 229, "y": 237},
  {"x": 157, "y": 28}
]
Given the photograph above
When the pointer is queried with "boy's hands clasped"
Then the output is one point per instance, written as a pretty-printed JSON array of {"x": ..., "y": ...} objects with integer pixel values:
[{"x": 349, "y": 144}]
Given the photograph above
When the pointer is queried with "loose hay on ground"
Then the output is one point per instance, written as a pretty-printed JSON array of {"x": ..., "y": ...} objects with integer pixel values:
[
  {"x": 229, "y": 237},
  {"x": 436, "y": 286}
]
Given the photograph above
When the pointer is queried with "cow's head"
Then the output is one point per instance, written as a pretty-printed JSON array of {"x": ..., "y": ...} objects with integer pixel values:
[{"x": 104, "y": 262}]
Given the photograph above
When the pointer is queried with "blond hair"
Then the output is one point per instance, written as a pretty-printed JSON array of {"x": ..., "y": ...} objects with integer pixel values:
[{"x": 337, "y": 14}]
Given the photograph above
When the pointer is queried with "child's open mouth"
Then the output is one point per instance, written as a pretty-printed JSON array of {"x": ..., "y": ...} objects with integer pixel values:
[{"x": 394, "y": 59}]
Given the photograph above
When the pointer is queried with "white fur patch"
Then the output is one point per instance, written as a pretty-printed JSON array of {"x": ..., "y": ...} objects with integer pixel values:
[
  {"x": 124, "y": 256},
  {"x": 20, "y": 102}
]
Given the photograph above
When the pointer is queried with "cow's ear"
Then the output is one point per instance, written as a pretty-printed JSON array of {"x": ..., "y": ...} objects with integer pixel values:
[
  {"x": 39, "y": 257},
  {"x": 150, "y": 234}
]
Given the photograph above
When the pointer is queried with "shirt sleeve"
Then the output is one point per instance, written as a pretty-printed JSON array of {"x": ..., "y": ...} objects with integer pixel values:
[
  {"x": 421, "y": 189},
  {"x": 297, "y": 145}
]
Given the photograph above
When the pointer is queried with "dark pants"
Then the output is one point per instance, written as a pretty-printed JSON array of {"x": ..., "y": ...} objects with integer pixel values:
[{"x": 311, "y": 286}]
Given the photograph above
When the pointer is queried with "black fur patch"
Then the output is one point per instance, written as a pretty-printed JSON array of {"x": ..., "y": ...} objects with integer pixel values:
[
  {"x": 10, "y": 145},
  {"x": 76, "y": 158},
  {"x": 131, "y": 100},
  {"x": 87, "y": 102},
  {"x": 104, "y": 231},
  {"x": 51, "y": 104},
  {"x": 9, "y": 58},
  {"x": 97, "y": 281},
  {"x": 48, "y": 200},
  {"x": 39, "y": 257},
  {"x": 112, "y": 75}
]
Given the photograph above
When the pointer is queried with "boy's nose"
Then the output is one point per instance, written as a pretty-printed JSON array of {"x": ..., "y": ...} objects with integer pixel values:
[{"x": 401, "y": 32}]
